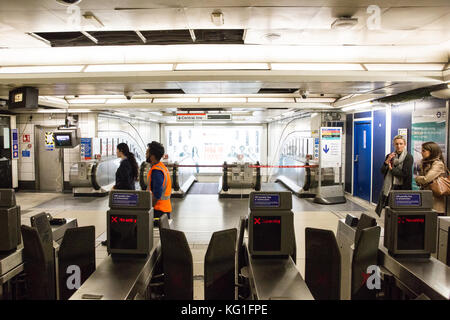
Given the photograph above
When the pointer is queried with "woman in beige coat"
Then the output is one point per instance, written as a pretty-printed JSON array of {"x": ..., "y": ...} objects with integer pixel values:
[{"x": 431, "y": 167}]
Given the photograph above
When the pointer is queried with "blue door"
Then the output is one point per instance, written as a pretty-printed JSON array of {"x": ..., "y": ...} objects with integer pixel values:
[{"x": 362, "y": 159}]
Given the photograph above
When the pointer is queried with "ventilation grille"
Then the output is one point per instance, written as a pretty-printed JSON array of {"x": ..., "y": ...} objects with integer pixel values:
[
  {"x": 164, "y": 91},
  {"x": 277, "y": 90},
  {"x": 154, "y": 37}
]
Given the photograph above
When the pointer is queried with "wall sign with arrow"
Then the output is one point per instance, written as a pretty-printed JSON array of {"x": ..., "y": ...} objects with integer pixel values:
[{"x": 331, "y": 151}]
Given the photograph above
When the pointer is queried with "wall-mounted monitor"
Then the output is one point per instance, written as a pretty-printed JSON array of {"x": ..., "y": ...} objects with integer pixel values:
[{"x": 67, "y": 138}]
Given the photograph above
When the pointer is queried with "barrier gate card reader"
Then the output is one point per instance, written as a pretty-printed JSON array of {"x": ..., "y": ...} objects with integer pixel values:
[
  {"x": 10, "y": 236},
  {"x": 129, "y": 223},
  {"x": 410, "y": 224},
  {"x": 271, "y": 224}
]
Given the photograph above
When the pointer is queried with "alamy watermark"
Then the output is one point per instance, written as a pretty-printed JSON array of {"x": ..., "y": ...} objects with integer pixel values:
[
  {"x": 372, "y": 277},
  {"x": 74, "y": 280}
]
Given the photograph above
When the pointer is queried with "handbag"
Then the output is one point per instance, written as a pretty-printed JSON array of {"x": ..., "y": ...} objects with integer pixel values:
[{"x": 441, "y": 186}]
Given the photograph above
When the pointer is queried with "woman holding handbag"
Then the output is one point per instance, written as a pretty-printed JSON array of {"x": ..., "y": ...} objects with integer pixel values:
[{"x": 432, "y": 167}]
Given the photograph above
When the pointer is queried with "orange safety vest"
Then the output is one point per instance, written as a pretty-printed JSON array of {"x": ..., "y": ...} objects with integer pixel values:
[{"x": 162, "y": 204}]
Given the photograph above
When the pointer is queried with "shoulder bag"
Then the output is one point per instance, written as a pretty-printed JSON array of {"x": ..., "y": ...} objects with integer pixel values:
[{"x": 441, "y": 186}]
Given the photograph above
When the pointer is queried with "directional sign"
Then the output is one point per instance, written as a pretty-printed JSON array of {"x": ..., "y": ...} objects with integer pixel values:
[{"x": 331, "y": 142}]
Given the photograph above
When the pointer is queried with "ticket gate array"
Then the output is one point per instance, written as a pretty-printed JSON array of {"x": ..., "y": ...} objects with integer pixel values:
[{"x": 394, "y": 264}]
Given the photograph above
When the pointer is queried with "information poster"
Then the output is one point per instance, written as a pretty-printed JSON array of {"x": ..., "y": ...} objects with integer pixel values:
[
  {"x": 86, "y": 148},
  {"x": 427, "y": 125},
  {"x": 330, "y": 147},
  {"x": 49, "y": 141}
]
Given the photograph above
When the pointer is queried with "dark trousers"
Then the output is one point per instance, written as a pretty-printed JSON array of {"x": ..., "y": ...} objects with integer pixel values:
[
  {"x": 383, "y": 200},
  {"x": 158, "y": 214}
]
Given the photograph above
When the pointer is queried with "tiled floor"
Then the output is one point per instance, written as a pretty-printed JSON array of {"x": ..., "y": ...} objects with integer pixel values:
[{"x": 198, "y": 215}]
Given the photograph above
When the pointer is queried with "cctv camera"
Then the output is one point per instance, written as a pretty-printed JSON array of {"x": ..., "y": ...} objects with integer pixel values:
[
  {"x": 128, "y": 95},
  {"x": 304, "y": 94}
]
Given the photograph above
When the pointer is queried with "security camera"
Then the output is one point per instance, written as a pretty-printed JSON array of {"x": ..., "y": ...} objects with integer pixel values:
[
  {"x": 128, "y": 95},
  {"x": 304, "y": 94}
]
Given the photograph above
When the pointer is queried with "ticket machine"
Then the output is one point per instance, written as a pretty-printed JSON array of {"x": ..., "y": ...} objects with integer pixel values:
[{"x": 129, "y": 224}]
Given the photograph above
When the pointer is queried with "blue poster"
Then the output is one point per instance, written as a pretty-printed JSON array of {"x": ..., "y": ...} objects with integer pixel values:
[
  {"x": 15, "y": 144},
  {"x": 25, "y": 153},
  {"x": 86, "y": 148}
]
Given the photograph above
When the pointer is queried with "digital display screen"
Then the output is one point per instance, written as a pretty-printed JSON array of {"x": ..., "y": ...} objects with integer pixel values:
[
  {"x": 411, "y": 232},
  {"x": 125, "y": 199},
  {"x": 63, "y": 140},
  {"x": 266, "y": 200},
  {"x": 407, "y": 199},
  {"x": 266, "y": 233},
  {"x": 123, "y": 232}
]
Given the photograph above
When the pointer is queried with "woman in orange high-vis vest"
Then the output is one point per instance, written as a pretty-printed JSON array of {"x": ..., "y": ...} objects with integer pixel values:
[{"x": 159, "y": 182}]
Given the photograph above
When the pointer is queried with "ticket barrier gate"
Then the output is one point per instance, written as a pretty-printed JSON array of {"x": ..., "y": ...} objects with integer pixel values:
[
  {"x": 182, "y": 178},
  {"x": 9, "y": 221},
  {"x": 239, "y": 180},
  {"x": 129, "y": 224},
  {"x": 93, "y": 178},
  {"x": 271, "y": 243}
]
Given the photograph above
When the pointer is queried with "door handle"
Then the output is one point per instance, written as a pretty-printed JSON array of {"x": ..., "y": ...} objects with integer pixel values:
[{"x": 356, "y": 157}]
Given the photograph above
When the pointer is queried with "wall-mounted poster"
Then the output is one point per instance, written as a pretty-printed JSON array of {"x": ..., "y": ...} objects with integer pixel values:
[
  {"x": 49, "y": 141},
  {"x": 427, "y": 125}
]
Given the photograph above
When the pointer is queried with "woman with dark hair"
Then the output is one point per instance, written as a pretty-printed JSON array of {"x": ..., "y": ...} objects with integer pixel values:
[
  {"x": 431, "y": 167},
  {"x": 127, "y": 173}
]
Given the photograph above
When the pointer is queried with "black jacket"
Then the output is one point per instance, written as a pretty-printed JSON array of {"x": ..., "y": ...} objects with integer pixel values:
[
  {"x": 405, "y": 172},
  {"x": 124, "y": 176}
]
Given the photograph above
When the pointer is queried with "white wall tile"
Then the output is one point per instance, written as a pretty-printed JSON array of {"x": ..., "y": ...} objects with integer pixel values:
[{"x": 26, "y": 176}]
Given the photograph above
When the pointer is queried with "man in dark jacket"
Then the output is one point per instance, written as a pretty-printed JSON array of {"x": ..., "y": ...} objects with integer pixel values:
[{"x": 397, "y": 171}]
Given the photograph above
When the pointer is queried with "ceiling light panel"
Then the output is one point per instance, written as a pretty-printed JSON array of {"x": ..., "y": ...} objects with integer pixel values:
[
  {"x": 41, "y": 69},
  {"x": 317, "y": 66},
  {"x": 223, "y": 100},
  {"x": 404, "y": 66},
  {"x": 221, "y": 66},
  {"x": 175, "y": 100},
  {"x": 128, "y": 67},
  {"x": 87, "y": 101},
  {"x": 272, "y": 100}
]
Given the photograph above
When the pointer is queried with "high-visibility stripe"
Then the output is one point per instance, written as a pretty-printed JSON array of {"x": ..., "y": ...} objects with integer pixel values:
[{"x": 163, "y": 204}]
